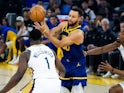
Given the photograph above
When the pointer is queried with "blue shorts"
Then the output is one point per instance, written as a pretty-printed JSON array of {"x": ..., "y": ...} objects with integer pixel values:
[{"x": 75, "y": 73}]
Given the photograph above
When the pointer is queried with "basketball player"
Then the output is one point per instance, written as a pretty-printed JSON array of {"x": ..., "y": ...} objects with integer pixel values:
[
  {"x": 43, "y": 61},
  {"x": 119, "y": 88},
  {"x": 70, "y": 44}
]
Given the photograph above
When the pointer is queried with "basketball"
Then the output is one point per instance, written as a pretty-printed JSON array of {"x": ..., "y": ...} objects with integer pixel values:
[{"x": 37, "y": 13}]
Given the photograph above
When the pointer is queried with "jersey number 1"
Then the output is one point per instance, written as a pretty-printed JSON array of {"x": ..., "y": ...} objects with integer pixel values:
[{"x": 47, "y": 62}]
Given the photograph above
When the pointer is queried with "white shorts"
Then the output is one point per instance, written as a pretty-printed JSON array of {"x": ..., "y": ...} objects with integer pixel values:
[
  {"x": 46, "y": 86},
  {"x": 122, "y": 85}
]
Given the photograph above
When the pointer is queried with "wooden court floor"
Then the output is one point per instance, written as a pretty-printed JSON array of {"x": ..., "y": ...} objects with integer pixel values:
[{"x": 96, "y": 84}]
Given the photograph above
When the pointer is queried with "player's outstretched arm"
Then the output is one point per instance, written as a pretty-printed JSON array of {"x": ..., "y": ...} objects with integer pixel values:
[
  {"x": 103, "y": 49},
  {"x": 75, "y": 38},
  {"x": 18, "y": 75}
]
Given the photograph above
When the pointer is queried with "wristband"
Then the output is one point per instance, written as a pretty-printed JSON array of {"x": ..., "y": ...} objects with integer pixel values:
[
  {"x": 44, "y": 31},
  {"x": 112, "y": 70}
]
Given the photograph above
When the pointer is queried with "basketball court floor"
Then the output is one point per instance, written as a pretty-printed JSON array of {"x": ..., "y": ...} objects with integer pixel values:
[{"x": 96, "y": 84}]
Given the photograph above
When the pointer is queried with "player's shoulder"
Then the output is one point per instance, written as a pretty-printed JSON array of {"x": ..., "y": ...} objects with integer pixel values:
[
  {"x": 79, "y": 31},
  {"x": 25, "y": 54}
]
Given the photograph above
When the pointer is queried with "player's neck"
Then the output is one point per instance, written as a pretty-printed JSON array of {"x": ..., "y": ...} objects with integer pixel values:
[
  {"x": 70, "y": 27},
  {"x": 35, "y": 42}
]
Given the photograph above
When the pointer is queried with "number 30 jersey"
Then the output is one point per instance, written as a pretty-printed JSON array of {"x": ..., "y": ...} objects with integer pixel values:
[{"x": 42, "y": 61}]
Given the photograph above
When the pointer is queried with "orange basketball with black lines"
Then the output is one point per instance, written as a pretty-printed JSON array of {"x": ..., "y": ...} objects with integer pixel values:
[{"x": 37, "y": 13}]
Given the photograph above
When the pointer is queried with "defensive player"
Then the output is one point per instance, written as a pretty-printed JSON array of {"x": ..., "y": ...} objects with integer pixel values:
[{"x": 43, "y": 62}]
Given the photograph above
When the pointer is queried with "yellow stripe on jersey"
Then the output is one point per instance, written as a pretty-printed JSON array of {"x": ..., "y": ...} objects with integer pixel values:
[
  {"x": 59, "y": 53},
  {"x": 73, "y": 78}
]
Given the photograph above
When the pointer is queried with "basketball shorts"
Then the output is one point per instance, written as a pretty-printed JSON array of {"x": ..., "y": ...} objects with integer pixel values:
[
  {"x": 46, "y": 86},
  {"x": 75, "y": 74}
]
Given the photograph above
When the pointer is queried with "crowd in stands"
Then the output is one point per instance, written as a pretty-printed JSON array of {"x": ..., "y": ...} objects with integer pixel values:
[{"x": 100, "y": 21}]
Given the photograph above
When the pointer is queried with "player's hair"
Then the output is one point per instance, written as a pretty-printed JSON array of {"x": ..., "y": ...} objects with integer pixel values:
[
  {"x": 35, "y": 34},
  {"x": 122, "y": 19},
  {"x": 78, "y": 10}
]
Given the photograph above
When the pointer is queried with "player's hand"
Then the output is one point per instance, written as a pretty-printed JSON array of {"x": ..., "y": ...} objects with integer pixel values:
[
  {"x": 85, "y": 53},
  {"x": 105, "y": 66},
  {"x": 39, "y": 26},
  {"x": 43, "y": 28}
]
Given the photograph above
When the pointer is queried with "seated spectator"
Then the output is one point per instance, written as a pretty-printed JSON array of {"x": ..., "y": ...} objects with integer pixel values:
[
  {"x": 92, "y": 40},
  {"x": 87, "y": 10},
  {"x": 108, "y": 37},
  {"x": 24, "y": 41},
  {"x": 9, "y": 37},
  {"x": 5, "y": 21},
  {"x": 28, "y": 22}
]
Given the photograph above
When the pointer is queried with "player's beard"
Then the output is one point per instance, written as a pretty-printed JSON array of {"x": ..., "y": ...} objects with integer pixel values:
[{"x": 72, "y": 24}]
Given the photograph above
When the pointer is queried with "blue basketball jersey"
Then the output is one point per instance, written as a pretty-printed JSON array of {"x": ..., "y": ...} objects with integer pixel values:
[
  {"x": 73, "y": 60},
  {"x": 74, "y": 51}
]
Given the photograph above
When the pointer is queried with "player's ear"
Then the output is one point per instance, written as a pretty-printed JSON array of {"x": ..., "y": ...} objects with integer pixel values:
[{"x": 80, "y": 19}]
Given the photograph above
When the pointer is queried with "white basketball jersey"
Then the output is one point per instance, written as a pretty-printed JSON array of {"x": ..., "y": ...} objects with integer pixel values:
[
  {"x": 42, "y": 61},
  {"x": 121, "y": 48}
]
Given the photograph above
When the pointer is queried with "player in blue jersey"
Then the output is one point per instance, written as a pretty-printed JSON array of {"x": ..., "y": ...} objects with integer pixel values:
[{"x": 68, "y": 37}]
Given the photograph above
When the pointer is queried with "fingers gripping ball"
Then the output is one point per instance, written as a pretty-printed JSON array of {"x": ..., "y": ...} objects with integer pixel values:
[{"x": 37, "y": 13}]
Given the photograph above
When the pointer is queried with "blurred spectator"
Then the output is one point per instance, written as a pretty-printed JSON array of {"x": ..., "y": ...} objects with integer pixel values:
[
  {"x": 11, "y": 6},
  {"x": 87, "y": 10},
  {"x": 122, "y": 14},
  {"x": 5, "y": 21},
  {"x": 66, "y": 6},
  {"x": 52, "y": 22},
  {"x": 99, "y": 17},
  {"x": 22, "y": 31},
  {"x": 54, "y": 6},
  {"x": 49, "y": 12},
  {"x": 115, "y": 57},
  {"x": 93, "y": 39},
  {"x": 9, "y": 36},
  {"x": 85, "y": 24},
  {"x": 108, "y": 37},
  {"x": 115, "y": 23},
  {"x": 106, "y": 8},
  {"x": 28, "y": 22},
  {"x": 92, "y": 4}
]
